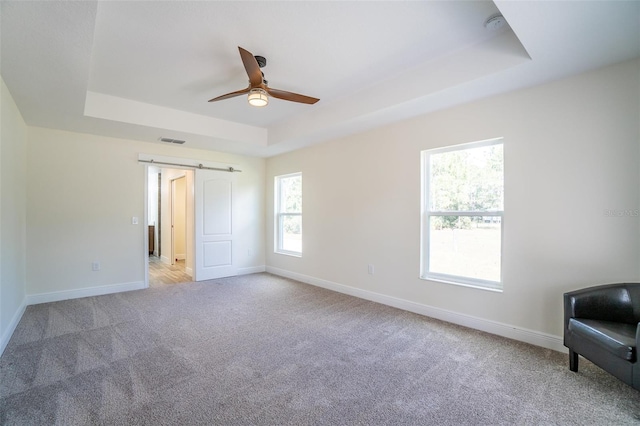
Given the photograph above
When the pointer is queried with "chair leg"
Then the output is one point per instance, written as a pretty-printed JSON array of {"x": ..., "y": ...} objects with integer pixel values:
[{"x": 573, "y": 360}]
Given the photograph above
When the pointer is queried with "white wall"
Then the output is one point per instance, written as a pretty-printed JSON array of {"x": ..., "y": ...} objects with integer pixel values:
[
  {"x": 572, "y": 151},
  {"x": 83, "y": 191},
  {"x": 13, "y": 147}
]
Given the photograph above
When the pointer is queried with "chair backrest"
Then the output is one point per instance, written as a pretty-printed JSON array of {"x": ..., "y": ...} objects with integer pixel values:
[
  {"x": 634, "y": 293},
  {"x": 611, "y": 302}
]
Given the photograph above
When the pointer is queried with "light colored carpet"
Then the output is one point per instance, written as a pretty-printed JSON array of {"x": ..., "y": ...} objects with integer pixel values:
[{"x": 265, "y": 350}]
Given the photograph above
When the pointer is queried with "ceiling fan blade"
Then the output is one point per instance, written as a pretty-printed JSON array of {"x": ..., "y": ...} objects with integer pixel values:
[
  {"x": 251, "y": 66},
  {"x": 289, "y": 96},
  {"x": 231, "y": 95}
]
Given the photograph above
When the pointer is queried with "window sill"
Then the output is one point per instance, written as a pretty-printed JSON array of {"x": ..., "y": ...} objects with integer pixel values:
[
  {"x": 461, "y": 284},
  {"x": 288, "y": 253}
]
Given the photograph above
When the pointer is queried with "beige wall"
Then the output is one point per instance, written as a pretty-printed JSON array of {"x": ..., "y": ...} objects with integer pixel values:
[
  {"x": 83, "y": 191},
  {"x": 572, "y": 151},
  {"x": 13, "y": 147}
]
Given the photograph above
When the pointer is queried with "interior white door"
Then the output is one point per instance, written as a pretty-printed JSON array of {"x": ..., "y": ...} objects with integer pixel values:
[{"x": 214, "y": 236}]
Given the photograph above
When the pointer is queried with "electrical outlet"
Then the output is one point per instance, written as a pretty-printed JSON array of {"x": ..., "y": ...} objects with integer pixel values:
[
  {"x": 95, "y": 265},
  {"x": 371, "y": 269}
]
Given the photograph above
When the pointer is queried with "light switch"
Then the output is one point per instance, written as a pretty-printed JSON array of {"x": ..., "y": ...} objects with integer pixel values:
[{"x": 134, "y": 220}]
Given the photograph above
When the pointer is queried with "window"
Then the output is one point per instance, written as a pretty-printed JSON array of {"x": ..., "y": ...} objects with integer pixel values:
[
  {"x": 462, "y": 214},
  {"x": 288, "y": 214}
]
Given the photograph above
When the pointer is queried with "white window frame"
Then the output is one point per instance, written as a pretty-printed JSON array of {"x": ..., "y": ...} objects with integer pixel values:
[
  {"x": 280, "y": 215},
  {"x": 427, "y": 213}
]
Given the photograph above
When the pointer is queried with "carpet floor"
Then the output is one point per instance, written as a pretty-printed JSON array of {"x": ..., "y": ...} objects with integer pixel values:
[{"x": 264, "y": 350}]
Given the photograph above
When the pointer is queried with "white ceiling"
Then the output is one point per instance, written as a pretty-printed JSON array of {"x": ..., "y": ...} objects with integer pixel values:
[{"x": 145, "y": 69}]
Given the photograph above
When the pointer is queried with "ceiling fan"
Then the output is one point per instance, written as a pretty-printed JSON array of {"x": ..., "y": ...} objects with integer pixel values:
[{"x": 258, "y": 90}]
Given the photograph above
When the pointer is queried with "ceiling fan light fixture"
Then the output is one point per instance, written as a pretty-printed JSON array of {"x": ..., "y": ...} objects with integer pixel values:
[{"x": 258, "y": 97}]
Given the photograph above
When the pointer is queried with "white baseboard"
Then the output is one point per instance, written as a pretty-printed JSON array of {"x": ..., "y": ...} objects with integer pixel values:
[
  {"x": 181, "y": 256},
  {"x": 34, "y": 299},
  {"x": 505, "y": 330},
  {"x": 251, "y": 270},
  {"x": 189, "y": 271},
  {"x": 6, "y": 336},
  {"x": 165, "y": 259}
]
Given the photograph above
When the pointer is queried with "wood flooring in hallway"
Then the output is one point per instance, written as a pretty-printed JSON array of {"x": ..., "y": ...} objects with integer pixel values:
[{"x": 164, "y": 274}]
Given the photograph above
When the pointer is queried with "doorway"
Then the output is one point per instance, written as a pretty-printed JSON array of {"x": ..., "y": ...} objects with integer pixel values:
[
  {"x": 203, "y": 238},
  {"x": 169, "y": 209}
]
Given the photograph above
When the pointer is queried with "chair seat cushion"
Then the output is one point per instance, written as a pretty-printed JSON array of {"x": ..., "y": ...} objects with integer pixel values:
[{"x": 616, "y": 337}]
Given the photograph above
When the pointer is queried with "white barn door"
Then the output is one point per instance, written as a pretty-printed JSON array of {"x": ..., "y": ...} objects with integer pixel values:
[{"x": 214, "y": 236}]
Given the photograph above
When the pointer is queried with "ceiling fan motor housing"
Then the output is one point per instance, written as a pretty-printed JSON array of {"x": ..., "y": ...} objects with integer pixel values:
[{"x": 262, "y": 61}]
